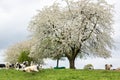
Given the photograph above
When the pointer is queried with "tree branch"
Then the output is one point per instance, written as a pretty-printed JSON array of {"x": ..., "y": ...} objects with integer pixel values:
[{"x": 95, "y": 24}]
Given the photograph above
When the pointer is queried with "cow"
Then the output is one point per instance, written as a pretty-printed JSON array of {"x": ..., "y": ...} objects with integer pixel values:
[
  {"x": 2, "y": 65},
  {"x": 19, "y": 66},
  {"x": 33, "y": 68},
  {"x": 7, "y": 65},
  {"x": 108, "y": 67}
]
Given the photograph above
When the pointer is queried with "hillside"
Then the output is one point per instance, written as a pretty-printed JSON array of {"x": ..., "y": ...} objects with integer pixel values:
[{"x": 59, "y": 74}]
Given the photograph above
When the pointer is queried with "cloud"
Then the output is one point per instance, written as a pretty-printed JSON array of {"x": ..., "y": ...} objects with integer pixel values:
[
  {"x": 2, "y": 56},
  {"x": 15, "y": 16}
]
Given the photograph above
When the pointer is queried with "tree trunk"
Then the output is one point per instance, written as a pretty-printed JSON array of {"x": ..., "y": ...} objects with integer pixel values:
[
  {"x": 57, "y": 63},
  {"x": 72, "y": 63}
]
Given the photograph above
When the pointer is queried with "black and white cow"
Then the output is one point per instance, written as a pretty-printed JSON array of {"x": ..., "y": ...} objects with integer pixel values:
[
  {"x": 7, "y": 65},
  {"x": 2, "y": 65},
  {"x": 19, "y": 66}
]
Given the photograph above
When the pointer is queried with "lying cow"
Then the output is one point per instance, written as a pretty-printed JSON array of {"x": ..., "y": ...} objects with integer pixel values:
[
  {"x": 108, "y": 67},
  {"x": 117, "y": 69},
  {"x": 19, "y": 66},
  {"x": 7, "y": 65},
  {"x": 2, "y": 65},
  {"x": 33, "y": 68}
]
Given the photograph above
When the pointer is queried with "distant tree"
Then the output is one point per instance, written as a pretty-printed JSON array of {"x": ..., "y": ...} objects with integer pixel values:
[
  {"x": 24, "y": 56},
  {"x": 13, "y": 52},
  {"x": 80, "y": 28},
  {"x": 58, "y": 57}
]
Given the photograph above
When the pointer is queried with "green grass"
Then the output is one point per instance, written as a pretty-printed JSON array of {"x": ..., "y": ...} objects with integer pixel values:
[{"x": 59, "y": 74}]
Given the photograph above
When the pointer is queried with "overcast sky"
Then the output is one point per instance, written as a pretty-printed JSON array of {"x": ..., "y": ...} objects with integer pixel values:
[{"x": 14, "y": 19}]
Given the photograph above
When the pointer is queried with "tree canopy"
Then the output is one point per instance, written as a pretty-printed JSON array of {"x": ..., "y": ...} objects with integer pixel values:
[
  {"x": 24, "y": 57},
  {"x": 81, "y": 28},
  {"x": 15, "y": 51}
]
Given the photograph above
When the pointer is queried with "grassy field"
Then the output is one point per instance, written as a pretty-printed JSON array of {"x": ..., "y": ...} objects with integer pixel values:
[{"x": 59, "y": 74}]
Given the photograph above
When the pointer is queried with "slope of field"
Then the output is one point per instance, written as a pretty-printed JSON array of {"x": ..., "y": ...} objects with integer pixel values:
[{"x": 59, "y": 74}]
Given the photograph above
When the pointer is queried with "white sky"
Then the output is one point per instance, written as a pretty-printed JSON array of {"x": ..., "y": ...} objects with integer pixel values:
[{"x": 14, "y": 19}]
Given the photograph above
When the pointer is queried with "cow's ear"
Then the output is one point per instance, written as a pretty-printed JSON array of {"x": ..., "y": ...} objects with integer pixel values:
[{"x": 111, "y": 65}]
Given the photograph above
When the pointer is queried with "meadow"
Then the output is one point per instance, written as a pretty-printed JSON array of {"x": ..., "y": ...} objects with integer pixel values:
[{"x": 59, "y": 74}]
